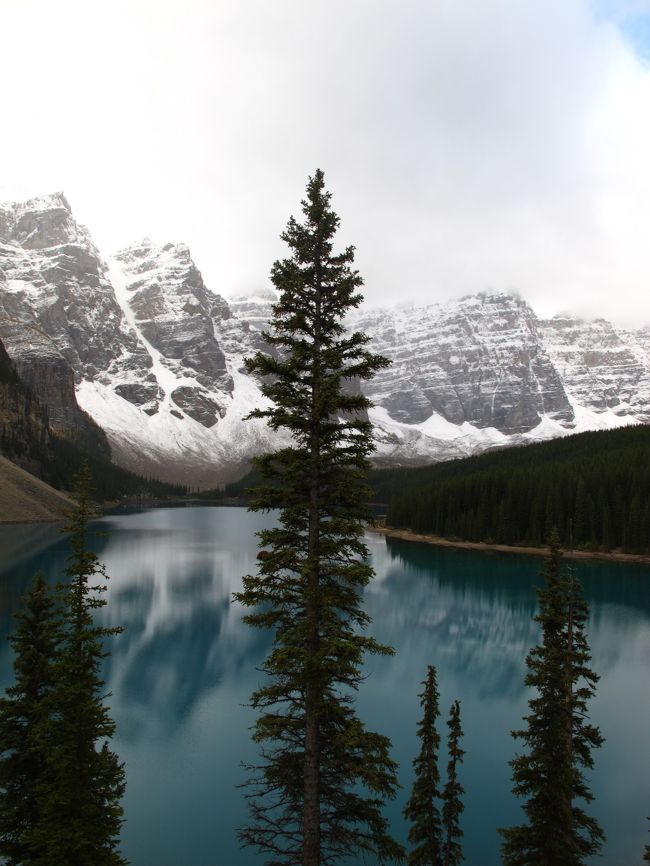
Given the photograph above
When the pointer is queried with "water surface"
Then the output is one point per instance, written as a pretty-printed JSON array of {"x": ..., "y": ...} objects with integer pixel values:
[{"x": 182, "y": 671}]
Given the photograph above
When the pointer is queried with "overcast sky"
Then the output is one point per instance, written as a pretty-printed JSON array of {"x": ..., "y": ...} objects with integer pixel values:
[{"x": 468, "y": 144}]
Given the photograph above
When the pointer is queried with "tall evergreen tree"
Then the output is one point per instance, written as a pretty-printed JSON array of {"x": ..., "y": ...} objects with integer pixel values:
[
  {"x": 422, "y": 810},
  {"x": 24, "y": 714},
  {"x": 452, "y": 808},
  {"x": 558, "y": 736},
  {"x": 317, "y": 794},
  {"x": 646, "y": 856},
  {"x": 82, "y": 814}
]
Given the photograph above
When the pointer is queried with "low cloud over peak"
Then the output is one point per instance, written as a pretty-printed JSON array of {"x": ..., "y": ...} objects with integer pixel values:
[{"x": 467, "y": 145}]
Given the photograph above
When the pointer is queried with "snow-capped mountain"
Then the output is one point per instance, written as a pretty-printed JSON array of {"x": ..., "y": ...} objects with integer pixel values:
[{"x": 155, "y": 357}]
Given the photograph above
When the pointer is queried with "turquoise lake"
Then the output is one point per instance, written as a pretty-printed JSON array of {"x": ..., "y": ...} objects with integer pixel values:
[{"x": 181, "y": 673}]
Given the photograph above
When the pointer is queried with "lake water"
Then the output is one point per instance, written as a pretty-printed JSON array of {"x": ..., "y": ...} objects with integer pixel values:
[{"x": 181, "y": 674}]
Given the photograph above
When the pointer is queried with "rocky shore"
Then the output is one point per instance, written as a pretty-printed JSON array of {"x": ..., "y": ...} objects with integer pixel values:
[{"x": 407, "y": 535}]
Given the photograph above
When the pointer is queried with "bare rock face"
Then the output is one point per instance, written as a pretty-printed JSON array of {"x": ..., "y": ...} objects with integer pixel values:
[
  {"x": 157, "y": 358},
  {"x": 602, "y": 368},
  {"x": 255, "y": 308},
  {"x": 196, "y": 403},
  {"x": 43, "y": 369},
  {"x": 240, "y": 332},
  {"x": 174, "y": 310},
  {"x": 52, "y": 276},
  {"x": 24, "y": 429},
  {"x": 39, "y": 223},
  {"x": 479, "y": 360}
]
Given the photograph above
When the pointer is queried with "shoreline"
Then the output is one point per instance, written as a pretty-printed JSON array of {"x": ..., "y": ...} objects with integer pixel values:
[
  {"x": 483, "y": 547},
  {"x": 389, "y": 532},
  {"x": 116, "y": 506}
]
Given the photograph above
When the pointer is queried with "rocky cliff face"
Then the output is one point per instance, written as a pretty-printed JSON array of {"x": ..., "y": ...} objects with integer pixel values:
[
  {"x": 44, "y": 370},
  {"x": 24, "y": 431},
  {"x": 601, "y": 368},
  {"x": 141, "y": 335},
  {"x": 58, "y": 316},
  {"x": 156, "y": 358},
  {"x": 478, "y": 361},
  {"x": 172, "y": 311},
  {"x": 52, "y": 276}
]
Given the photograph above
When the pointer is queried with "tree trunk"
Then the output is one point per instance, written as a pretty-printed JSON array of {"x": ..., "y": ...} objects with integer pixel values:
[{"x": 311, "y": 777}]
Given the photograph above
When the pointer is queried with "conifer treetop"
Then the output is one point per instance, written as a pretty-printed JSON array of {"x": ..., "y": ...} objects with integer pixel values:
[
  {"x": 422, "y": 809},
  {"x": 558, "y": 737},
  {"x": 452, "y": 851}
]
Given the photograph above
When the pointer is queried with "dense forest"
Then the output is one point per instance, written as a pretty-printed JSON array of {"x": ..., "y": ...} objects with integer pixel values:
[
  {"x": 65, "y": 458},
  {"x": 594, "y": 487}
]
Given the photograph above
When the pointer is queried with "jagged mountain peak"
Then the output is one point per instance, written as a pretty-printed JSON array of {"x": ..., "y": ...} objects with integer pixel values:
[
  {"x": 147, "y": 246},
  {"x": 158, "y": 356},
  {"x": 163, "y": 293},
  {"x": 491, "y": 302},
  {"x": 486, "y": 302},
  {"x": 38, "y": 203},
  {"x": 170, "y": 265},
  {"x": 476, "y": 360},
  {"x": 41, "y": 222}
]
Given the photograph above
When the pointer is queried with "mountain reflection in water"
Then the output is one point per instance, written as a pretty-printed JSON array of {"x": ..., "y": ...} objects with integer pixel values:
[{"x": 181, "y": 673}]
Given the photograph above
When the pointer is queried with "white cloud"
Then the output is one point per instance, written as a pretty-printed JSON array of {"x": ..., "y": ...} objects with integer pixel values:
[{"x": 466, "y": 144}]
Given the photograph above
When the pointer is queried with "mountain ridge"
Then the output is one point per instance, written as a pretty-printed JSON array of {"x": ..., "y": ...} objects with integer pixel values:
[{"x": 156, "y": 357}]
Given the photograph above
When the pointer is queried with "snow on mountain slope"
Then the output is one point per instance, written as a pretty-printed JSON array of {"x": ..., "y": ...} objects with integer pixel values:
[
  {"x": 601, "y": 368},
  {"x": 186, "y": 422},
  {"x": 158, "y": 357},
  {"x": 140, "y": 338},
  {"x": 53, "y": 276},
  {"x": 479, "y": 361}
]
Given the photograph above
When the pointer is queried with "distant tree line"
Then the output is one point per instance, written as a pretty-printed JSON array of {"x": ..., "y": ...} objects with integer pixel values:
[
  {"x": 593, "y": 487},
  {"x": 110, "y": 482}
]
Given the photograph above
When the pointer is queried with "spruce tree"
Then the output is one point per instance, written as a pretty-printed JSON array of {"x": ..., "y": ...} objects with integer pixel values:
[
  {"x": 558, "y": 736},
  {"x": 646, "y": 856},
  {"x": 24, "y": 717},
  {"x": 452, "y": 808},
  {"x": 316, "y": 795},
  {"x": 422, "y": 810},
  {"x": 82, "y": 814}
]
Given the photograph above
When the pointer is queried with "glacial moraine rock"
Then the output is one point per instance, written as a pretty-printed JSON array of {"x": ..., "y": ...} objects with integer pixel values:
[{"x": 143, "y": 394}]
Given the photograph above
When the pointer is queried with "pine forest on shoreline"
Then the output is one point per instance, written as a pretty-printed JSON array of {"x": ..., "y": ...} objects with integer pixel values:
[{"x": 594, "y": 487}]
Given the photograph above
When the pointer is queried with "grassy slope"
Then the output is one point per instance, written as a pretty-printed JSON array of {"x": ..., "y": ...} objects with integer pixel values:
[{"x": 23, "y": 497}]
